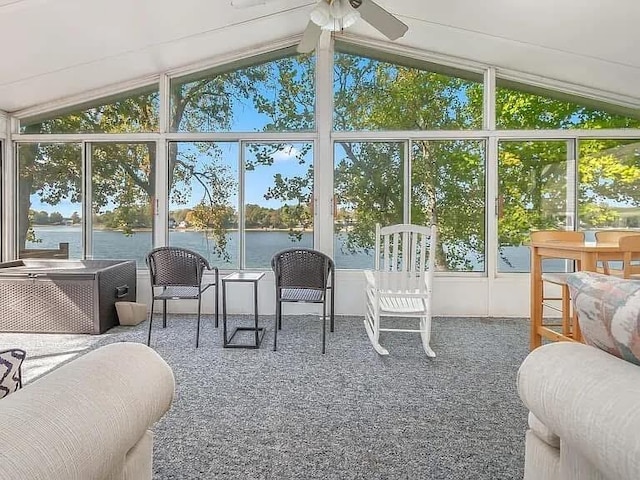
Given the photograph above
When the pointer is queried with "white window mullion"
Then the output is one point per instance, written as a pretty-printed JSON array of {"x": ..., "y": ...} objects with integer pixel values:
[
  {"x": 241, "y": 204},
  {"x": 87, "y": 200},
  {"x": 492, "y": 193},
  {"x": 10, "y": 193},
  {"x": 572, "y": 185},
  {"x": 160, "y": 206},
  {"x": 323, "y": 193},
  {"x": 164, "y": 110},
  {"x": 407, "y": 192},
  {"x": 492, "y": 206},
  {"x": 489, "y": 100}
]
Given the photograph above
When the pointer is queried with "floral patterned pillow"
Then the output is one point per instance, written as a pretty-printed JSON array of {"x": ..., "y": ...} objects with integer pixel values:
[
  {"x": 608, "y": 310},
  {"x": 10, "y": 371}
]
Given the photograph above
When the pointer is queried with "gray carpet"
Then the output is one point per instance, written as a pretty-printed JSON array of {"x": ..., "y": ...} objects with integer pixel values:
[{"x": 349, "y": 414}]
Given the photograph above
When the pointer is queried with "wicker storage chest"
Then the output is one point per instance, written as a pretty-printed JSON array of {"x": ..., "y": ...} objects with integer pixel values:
[{"x": 64, "y": 296}]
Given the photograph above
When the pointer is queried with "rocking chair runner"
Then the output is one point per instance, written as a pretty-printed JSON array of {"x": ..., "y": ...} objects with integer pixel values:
[{"x": 401, "y": 284}]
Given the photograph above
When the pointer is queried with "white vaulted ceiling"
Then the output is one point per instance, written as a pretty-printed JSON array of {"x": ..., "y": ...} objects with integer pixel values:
[{"x": 59, "y": 48}]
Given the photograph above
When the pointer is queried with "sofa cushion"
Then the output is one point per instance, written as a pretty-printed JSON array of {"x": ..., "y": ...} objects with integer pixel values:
[{"x": 608, "y": 311}]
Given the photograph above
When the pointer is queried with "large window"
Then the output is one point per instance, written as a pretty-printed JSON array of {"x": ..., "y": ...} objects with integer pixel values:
[
  {"x": 369, "y": 189},
  {"x": 278, "y": 200},
  {"x": 273, "y": 95},
  {"x": 122, "y": 195},
  {"x": 408, "y": 146},
  {"x": 609, "y": 184},
  {"x": 49, "y": 200},
  {"x": 522, "y": 107},
  {"x": 204, "y": 210},
  {"x": 448, "y": 190},
  {"x": 446, "y": 187},
  {"x": 127, "y": 112},
  {"x": 373, "y": 94},
  {"x": 203, "y": 200},
  {"x": 534, "y": 194}
]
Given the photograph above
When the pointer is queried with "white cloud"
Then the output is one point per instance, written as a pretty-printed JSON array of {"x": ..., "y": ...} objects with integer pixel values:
[{"x": 288, "y": 152}]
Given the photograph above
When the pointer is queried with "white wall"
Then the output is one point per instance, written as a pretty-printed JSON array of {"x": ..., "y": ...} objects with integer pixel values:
[
  {"x": 4, "y": 121},
  {"x": 453, "y": 296}
]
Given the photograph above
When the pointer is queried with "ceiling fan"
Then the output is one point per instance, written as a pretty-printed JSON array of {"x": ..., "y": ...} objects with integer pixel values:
[{"x": 335, "y": 15}]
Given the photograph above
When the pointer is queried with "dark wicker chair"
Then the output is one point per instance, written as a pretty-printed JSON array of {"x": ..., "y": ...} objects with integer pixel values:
[
  {"x": 11, "y": 370},
  {"x": 303, "y": 275},
  {"x": 176, "y": 274}
]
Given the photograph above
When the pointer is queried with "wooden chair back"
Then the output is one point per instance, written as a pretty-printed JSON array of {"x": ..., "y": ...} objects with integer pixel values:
[
  {"x": 612, "y": 236},
  {"x": 630, "y": 246},
  {"x": 556, "y": 236}
]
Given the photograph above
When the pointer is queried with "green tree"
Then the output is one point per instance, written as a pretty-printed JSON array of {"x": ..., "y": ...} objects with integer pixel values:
[
  {"x": 256, "y": 216},
  {"x": 56, "y": 218},
  {"x": 374, "y": 95},
  {"x": 533, "y": 174},
  {"x": 40, "y": 218}
]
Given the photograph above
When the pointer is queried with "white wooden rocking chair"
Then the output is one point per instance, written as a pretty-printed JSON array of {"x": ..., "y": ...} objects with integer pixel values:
[{"x": 401, "y": 284}]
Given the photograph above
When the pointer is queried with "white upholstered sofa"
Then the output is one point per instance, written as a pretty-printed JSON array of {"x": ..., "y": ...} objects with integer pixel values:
[
  {"x": 584, "y": 400},
  {"x": 584, "y": 414},
  {"x": 89, "y": 419}
]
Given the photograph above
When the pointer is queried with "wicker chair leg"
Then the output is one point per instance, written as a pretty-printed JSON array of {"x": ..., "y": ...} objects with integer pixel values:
[
  {"x": 164, "y": 314},
  {"x": 216, "y": 301},
  {"x": 275, "y": 326},
  {"x": 332, "y": 311},
  {"x": 324, "y": 324},
  {"x": 198, "y": 324},
  {"x": 150, "y": 322}
]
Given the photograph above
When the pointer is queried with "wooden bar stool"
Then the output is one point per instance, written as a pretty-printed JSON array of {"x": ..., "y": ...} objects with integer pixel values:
[{"x": 569, "y": 323}]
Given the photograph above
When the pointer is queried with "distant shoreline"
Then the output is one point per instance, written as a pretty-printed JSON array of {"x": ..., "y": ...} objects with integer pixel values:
[{"x": 297, "y": 230}]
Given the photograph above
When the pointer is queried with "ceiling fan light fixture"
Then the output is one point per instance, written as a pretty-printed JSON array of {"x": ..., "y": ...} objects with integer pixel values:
[
  {"x": 321, "y": 14},
  {"x": 350, "y": 18},
  {"x": 337, "y": 16}
]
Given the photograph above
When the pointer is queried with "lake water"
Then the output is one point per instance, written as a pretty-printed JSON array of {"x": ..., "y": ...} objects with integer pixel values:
[{"x": 260, "y": 247}]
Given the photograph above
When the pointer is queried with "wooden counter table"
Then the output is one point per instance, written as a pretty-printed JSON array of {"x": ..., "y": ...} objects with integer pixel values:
[{"x": 586, "y": 254}]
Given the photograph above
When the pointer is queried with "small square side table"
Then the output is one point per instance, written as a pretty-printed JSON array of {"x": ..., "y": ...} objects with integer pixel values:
[{"x": 244, "y": 277}]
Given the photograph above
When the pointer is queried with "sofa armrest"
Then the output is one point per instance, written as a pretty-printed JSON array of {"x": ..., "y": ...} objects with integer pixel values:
[
  {"x": 590, "y": 399},
  {"x": 81, "y": 420}
]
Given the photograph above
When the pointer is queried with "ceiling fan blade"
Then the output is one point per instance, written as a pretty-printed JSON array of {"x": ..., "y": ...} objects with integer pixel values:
[
  {"x": 309, "y": 38},
  {"x": 380, "y": 19}
]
